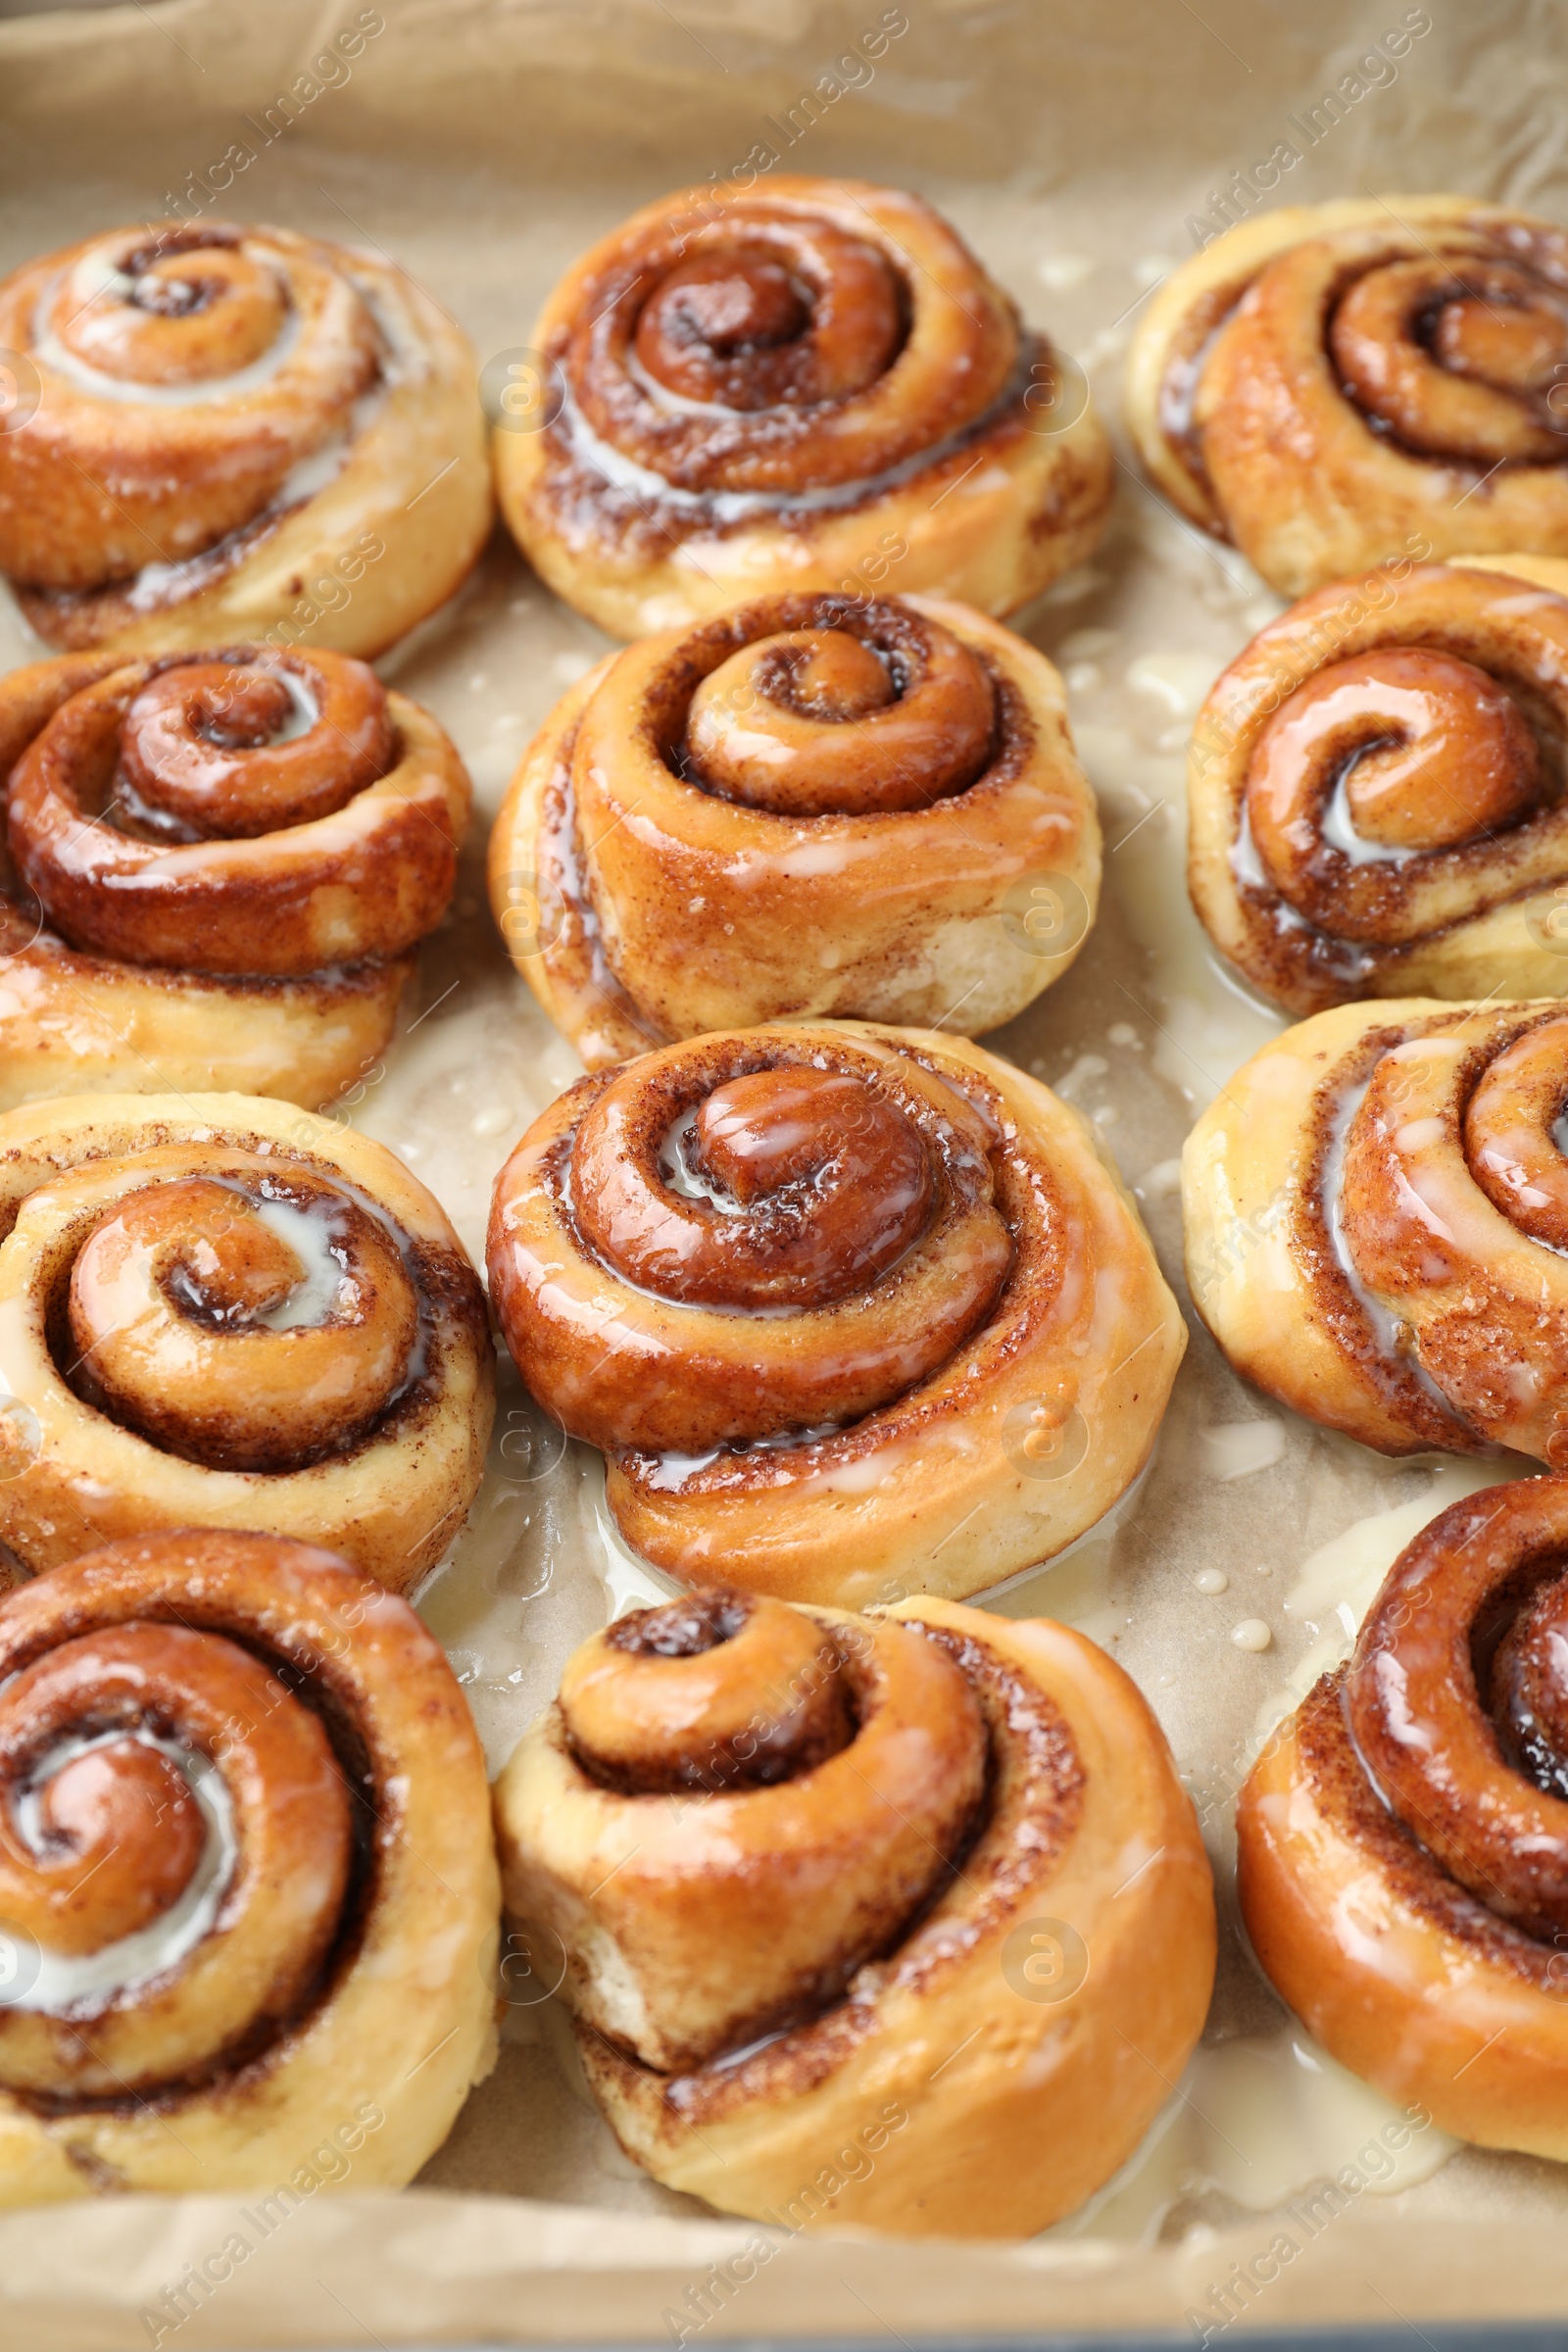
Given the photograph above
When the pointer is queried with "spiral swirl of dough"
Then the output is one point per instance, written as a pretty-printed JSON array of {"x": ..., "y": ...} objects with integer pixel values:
[
  {"x": 775, "y": 389},
  {"x": 1376, "y": 789},
  {"x": 229, "y": 430},
  {"x": 812, "y": 1842},
  {"x": 241, "y": 848},
  {"x": 247, "y": 1319},
  {"x": 1377, "y": 1212},
  {"x": 244, "y": 1834},
  {"x": 1330, "y": 386},
  {"x": 890, "y": 781},
  {"x": 1403, "y": 1839},
  {"x": 249, "y": 812},
  {"x": 772, "y": 1269}
]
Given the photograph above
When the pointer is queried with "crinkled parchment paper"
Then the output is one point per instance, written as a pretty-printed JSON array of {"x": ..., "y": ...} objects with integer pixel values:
[{"x": 484, "y": 145}]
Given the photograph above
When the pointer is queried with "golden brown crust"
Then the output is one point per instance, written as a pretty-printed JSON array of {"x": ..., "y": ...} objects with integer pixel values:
[
  {"x": 645, "y": 895},
  {"x": 699, "y": 1925},
  {"x": 988, "y": 1396},
  {"x": 1402, "y": 1842},
  {"x": 82, "y": 1024},
  {"x": 988, "y": 2059},
  {"x": 353, "y": 2001},
  {"x": 1371, "y": 1232},
  {"x": 1329, "y": 385},
  {"x": 77, "y": 1473},
  {"x": 1441, "y": 683},
  {"x": 335, "y": 495},
  {"x": 892, "y": 414},
  {"x": 240, "y": 909}
]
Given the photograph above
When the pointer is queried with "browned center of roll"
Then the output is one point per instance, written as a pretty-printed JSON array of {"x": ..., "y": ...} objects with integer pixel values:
[
  {"x": 1457, "y": 357},
  {"x": 816, "y": 1184},
  {"x": 784, "y": 321},
  {"x": 719, "y": 1690},
  {"x": 832, "y": 1769},
  {"x": 1429, "y": 750},
  {"x": 873, "y": 709},
  {"x": 123, "y": 1817},
  {"x": 252, "y": 1322},
  {"x": 179, "y": 310},
  {"x": 234, "y": 746},
  {"x": 100, "y": 1830}
]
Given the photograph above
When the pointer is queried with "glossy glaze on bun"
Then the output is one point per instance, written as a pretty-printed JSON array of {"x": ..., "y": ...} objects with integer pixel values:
[
  {"x": 813, "y": 387},
  {"x": 248, "y": 1898},
  {"x": 219, "y": 1311},
  {"x": 234, "y": 432},
  {"x": 917, "y": 1883},
  {"x": 220, "y": 865},
  {"x": 1375, "y": 1211},
  {"x": 1331, "y": 385},
  {"x": 851, "y": 1310},
  {"x": 807, "y": 807},
  {"x": 1404, "y": 1837},
  {"x": 1375, "y": 788}
]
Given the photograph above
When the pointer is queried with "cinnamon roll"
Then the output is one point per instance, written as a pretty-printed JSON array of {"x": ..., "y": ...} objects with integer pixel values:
[
  {"x": 810, "y": 807},
  {"x": 917, "y": 1899},
  {"x": 808, "y": 387},
  {"x": 847, "y": 1308},
  {"x": 248, "y": 1892},
  {"x": 1376, "y": 789},
  {"x": 216, "y": 1310},
  {"x": 1331, "y": 384},
  {"x": 236, "y": 852},
  {"x": 1403, "y": 1839},
  {"x": 234, "y": 432},
  {"x": 1375, "y": 1213}
]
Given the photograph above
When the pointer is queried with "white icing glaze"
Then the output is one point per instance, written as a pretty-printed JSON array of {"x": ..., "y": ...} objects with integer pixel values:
[
  {"x": 1240, "y": 1448},
  {"x": 50, "y": 352},
  {"x": 643, "y": 484},
  {"x": 683, "y": 1179},
  {"x": 1261, "y": 2119},
  {"x": 313, "y": 1234},
  {"x": 1387, "y": 1327},
  {"x": 56, "y": 1981},
  {"x": 1337, "y": 828},
  {"x": 1336, "y": 1584},
  {"x": 304, "y": 713}
]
